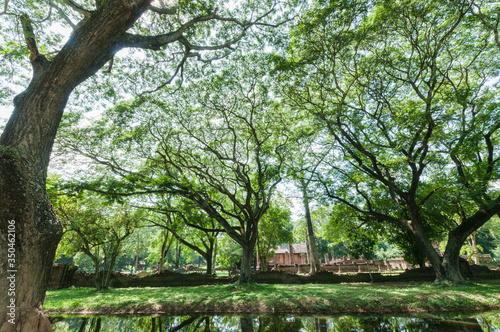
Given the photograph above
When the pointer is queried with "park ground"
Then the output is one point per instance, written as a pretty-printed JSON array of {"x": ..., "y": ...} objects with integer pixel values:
[{"x": 306, "y": 299}]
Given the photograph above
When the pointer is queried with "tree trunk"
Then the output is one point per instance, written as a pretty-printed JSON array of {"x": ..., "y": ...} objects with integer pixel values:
[
  {"x": 207, "y": 325},
  {"x": 163, "y": 253},
  {"x": 84, "y": 324},
  {"x": 451, "y": 258},
  {"x": 308, "y": 250},
  {"x": 25, "y": 147},
  {"x": 246, "y": 264},
  {"x": 261, "y": 258},
  {"x": 475, "y": 252},
  {"x": 448, "y": 268},
  {"x": 136, "y": 264},
  {"x": 315, "y": 264},
  {"x": 320, "y": 324},
  {"x": 177, "y": 254},
  {"x": 97, "y": 282},
  {"x": 114, "y": 255},
  {"x": 95, "y": 325},
  {"x": 215, "y": 256},
  {"x": 208, "y": 257},
  {"x": 246, "y": 324},
  {"x": 263, "y": 263},
  {"x": 416, "y": 227},
  {"x": 30, "y": 232}
]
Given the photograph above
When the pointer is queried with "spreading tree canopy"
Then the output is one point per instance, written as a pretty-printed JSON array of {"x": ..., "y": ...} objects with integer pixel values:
[
  {"x": 405, "y": 92},
  {"x": 167, "y": 35}
]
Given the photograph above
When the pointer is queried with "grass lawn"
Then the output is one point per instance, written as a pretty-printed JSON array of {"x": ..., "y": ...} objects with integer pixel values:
[{"x": 269, "y": 299}]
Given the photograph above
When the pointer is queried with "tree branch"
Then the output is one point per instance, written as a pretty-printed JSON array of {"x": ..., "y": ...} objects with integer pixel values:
[
  {"x": 29, "y": 37},
  {"x": 428, "y": 196},
  {"x": 78, "y": 8},
  {"x": 38, "y": 61},
  {"x": 163, "y": 11},
  {"x": 5, "y": 7},
  {"x": 156, "y": 42},
  {"x": 63, "y": 15}
]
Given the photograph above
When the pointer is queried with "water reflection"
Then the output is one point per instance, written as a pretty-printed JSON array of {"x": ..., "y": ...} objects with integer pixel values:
[{"x": 481, "y": 322}]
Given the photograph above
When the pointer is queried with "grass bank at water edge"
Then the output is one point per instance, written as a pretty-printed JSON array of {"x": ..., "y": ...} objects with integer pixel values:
[{"x": 271, "y": 299}]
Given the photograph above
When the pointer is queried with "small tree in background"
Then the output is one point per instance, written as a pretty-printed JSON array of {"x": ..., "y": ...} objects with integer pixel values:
[{"x": 275, "y": 229}]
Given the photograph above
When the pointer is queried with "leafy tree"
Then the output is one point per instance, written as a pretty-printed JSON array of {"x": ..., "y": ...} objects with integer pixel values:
[
  {"x": 486, "y": 13},
  {"x": 137, "y": 245},
  {"x": 405, "y": 115},
  {"x": 489, "y": 238},
  {"x": 354, "y": 240},
  {"x": 220, "y": 143},
  {"x": 191, "y": 227},
  {"x": 97, "y": 229},
  {"x": 386, "y": 250},
  {"x": 275, "y": 229},
  {"x": 166, "y": 35},
  {"x": 229, "y": 252}
]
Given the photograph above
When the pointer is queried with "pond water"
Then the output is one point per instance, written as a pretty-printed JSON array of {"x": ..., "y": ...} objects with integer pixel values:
[{"x": 489, "y": 321}]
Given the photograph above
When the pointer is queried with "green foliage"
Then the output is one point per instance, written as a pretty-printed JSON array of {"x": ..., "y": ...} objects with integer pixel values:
[
  {"x": 94, "y": 227},
  {"x": 8, "y": 155},
  {"x": 411, "y": 123},
  {"x": 489, "y": 238},
  {"x": 387, "y": 251},
  {"x": 228, "y": 252},
  {"x": 275, "y": 228},
  {"x": 406, "y": 242}
]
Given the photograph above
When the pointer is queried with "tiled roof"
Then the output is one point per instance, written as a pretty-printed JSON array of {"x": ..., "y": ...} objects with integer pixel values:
[{"x": 298, "y": 248}]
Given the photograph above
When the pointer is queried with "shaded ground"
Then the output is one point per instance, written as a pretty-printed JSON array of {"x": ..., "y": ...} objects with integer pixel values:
[{"x": 273, "y": 299}]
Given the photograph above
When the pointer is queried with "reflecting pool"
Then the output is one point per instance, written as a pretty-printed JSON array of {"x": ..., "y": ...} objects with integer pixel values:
[{"x": 489, "y": 321}]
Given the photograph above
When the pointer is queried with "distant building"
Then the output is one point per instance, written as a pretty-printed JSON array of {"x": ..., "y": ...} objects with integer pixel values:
[{"x": 287, "y": 254}]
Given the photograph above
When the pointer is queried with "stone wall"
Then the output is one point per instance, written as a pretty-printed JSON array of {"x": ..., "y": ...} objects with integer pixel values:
[
  {"x": 62, "y": 276},
  {"x": 350, "y": 266},
  {"x": 68, "y": 276},
  {"x": 121, "y": 280}
]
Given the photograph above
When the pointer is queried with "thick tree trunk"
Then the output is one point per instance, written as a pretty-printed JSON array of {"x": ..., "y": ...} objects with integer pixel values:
[
  {"x": 25, "y": 210},
  {"x": 451, "y": 258},
  {"x": 25, "y": 147},
  {"x": 97, "y": 282},
  {"x": 315, "y": 264},
  {"x": 416, "y": 227},
  {"x": 246, "y": 264},
  {"x": 448, "y": 267}
]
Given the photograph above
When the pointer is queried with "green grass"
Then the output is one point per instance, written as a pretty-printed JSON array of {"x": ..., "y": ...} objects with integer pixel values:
[{"x": 260, "y": 298}]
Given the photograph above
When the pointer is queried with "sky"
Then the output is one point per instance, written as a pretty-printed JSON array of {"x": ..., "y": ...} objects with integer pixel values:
[{"x": 5, "y": 113}]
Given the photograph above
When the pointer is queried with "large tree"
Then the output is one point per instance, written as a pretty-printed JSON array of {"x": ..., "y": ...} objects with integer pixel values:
[
  {"x": 220, "y": 143},
  {"x": 103, "y": 29},
  {"x": 409, "y": 115},
  {"x": 96, "y": 228}
]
